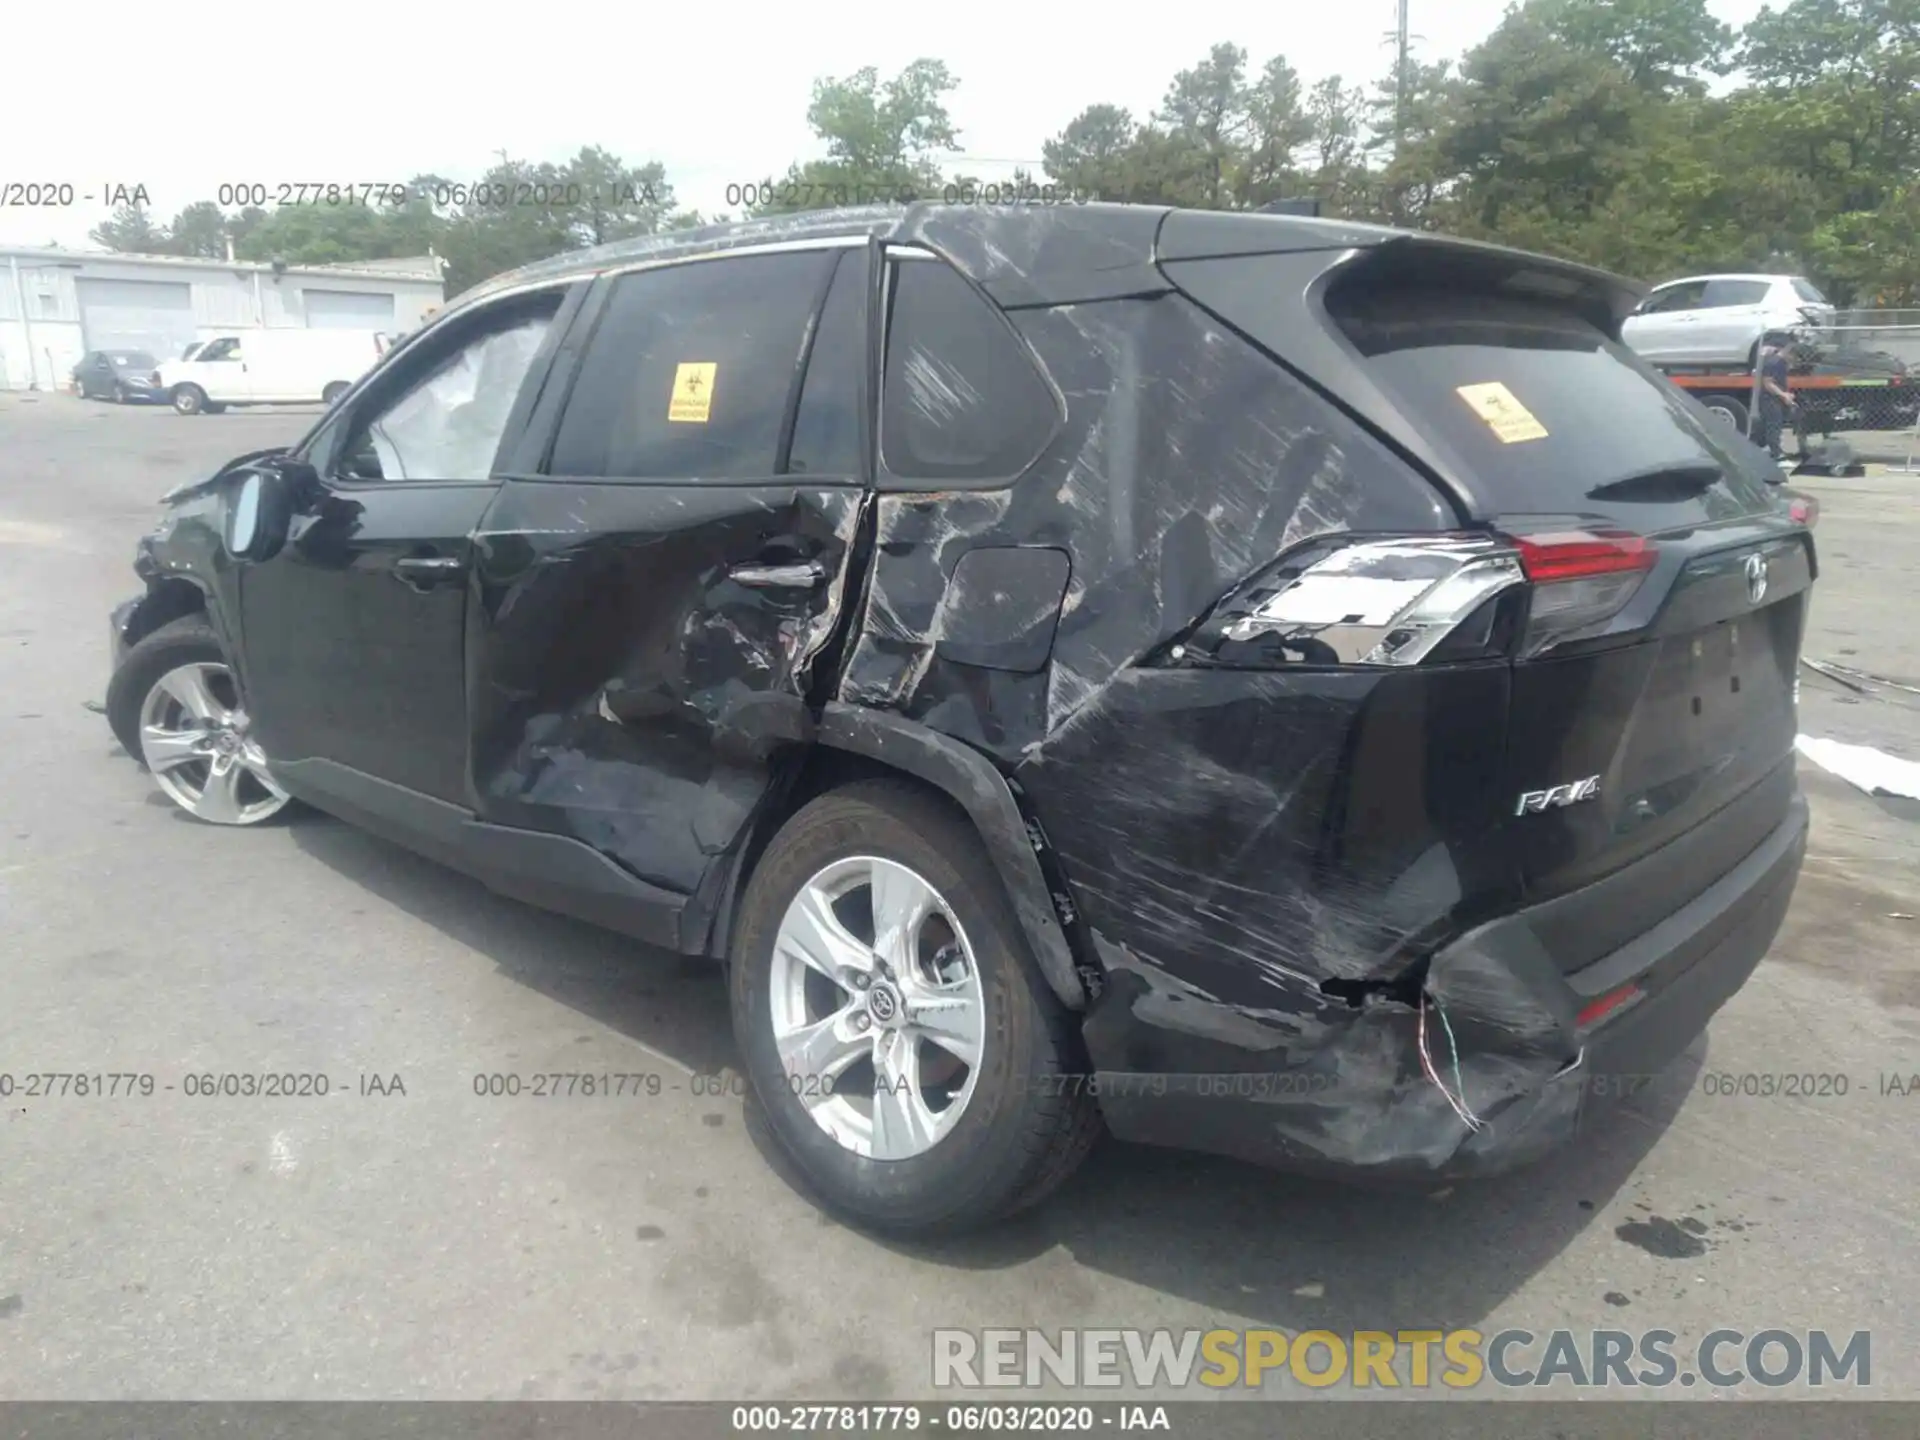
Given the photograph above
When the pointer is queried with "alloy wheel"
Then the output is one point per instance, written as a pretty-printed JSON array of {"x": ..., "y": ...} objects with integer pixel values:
[
  {"x": 877, "y": 1008},
  {"x": 194, "y": 738}
]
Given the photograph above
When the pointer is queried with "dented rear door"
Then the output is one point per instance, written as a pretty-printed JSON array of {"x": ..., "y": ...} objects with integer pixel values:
[{"x": 659, "y": 582}]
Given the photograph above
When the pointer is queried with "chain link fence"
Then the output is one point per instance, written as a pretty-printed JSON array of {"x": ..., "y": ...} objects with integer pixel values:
[{"x": 1856, "y": 380}]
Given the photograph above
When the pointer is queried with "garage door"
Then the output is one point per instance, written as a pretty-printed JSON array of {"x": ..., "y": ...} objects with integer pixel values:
[
  {"x": 151, "y": 315},
  {"x": 348, "y": 310}
]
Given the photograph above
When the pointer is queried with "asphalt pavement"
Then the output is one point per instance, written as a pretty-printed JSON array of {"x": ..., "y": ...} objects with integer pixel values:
[{"x": 403, "y": 1236}]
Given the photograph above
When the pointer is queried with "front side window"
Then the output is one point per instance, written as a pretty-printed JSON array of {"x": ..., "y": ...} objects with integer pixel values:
[
  {"x": 447, "y": 425},
  {"x": 225, "y": 348},
  {"x": 690, "y": 369},
  {"x": 1678, "y": 297},
  {"x": 962, "y": 399}
]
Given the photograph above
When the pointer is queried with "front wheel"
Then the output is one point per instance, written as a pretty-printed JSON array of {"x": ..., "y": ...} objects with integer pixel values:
[
  {"x": 173, "y": 704},
  {"x": 904, "y": 1048},
  {"x": 189, "y": 399}
]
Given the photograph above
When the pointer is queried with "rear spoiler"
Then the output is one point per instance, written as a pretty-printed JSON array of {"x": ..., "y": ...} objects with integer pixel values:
[{"x": 1387, "y": 256}]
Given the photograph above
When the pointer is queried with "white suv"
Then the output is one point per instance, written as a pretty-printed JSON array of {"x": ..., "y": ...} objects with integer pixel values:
[{"x": 1719, "y": 319}]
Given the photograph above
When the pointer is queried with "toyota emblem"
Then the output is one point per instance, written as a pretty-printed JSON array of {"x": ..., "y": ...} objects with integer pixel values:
[{"x": 1756, "y": 578}]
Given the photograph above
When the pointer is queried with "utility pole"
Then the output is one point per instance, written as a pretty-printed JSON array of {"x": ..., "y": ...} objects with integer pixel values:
[{"x": 1403, "y": 49}]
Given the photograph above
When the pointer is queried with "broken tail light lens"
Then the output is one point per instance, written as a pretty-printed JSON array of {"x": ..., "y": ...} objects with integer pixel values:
[
  {"x": 1360, "y": 601},
  {"x": 1581, "y": 578},
  {"x": 1401, "y": 600}
]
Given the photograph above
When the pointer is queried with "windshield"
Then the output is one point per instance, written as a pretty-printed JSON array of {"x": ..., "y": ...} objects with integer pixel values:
[{"x": 131, "y": 359}]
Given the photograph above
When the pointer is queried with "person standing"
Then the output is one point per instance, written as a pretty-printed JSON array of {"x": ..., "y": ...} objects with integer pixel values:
[{"x": 1776, "y": 399}]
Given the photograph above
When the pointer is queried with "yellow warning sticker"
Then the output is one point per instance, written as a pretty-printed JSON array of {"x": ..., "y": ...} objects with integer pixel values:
[
  {"x": 692, "y": 392},
  {"x": 1502, "y": 411}
]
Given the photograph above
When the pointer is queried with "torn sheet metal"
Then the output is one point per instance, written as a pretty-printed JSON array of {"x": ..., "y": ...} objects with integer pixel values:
[{"x": 643, "y": 728}]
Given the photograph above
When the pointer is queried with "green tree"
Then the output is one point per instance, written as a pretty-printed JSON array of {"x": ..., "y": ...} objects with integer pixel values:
[
  {"x": 1095, "y": 154},
  {"x": 200, "y": 229},
  {"x": 617, "y": 200},
  {"x": 130, "y": 230},
  {"x": 884, "y": 139}
]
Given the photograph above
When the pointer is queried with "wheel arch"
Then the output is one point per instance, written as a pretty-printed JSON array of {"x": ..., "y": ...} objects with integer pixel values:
[
  {"x": 853, "y": 742},
  {"x": 167, "y": 599}
]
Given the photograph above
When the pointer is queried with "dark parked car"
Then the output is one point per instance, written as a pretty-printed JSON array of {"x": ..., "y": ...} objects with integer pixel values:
[
  {"x": 1270, "y": 685},
  {"x": 122, "y": 375}
]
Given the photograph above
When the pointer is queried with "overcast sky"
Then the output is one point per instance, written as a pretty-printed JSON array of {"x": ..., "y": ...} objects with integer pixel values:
[{"x": 356, "y": 92}]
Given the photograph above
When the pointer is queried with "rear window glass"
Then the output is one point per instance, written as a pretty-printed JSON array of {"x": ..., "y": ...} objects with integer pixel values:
[
  {"x": 1548, "y": 416},
  {"x": 1809, "y": 292}
]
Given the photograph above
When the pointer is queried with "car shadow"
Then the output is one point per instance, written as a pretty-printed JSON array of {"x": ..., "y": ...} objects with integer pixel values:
[{"x": 1280, "y": 1250}]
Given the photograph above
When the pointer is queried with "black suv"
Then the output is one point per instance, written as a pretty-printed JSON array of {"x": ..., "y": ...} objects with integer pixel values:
[{"x": 1273, "y": 686}]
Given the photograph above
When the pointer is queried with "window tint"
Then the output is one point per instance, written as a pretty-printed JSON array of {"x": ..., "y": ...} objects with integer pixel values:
[
  {"x": 1725, "y": 294},
  {"x": 447, "y": 425},
  {"x": 1680, "y": 297},
  {"x": 1546, "y": 413},
  {"x": 689, "y": 370},
  {"x": 961, "y": 399},
  {"x": 826, "y": 430},
  {"x": 1808, "y": 292}
]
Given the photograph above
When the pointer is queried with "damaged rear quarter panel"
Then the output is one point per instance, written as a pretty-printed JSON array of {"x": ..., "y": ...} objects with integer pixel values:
[{"x": 1230, "y": 839}]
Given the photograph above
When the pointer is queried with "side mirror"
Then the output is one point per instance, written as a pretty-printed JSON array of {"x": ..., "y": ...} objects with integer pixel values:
[{"x": 259, "y": 512}]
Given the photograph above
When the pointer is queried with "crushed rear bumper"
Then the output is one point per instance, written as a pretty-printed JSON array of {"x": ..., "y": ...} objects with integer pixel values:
[{"x": 1341, "y": 1090}]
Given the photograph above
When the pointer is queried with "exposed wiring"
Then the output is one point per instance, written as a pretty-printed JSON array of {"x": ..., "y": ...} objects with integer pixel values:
[{"x": 1468, "y": 1118}]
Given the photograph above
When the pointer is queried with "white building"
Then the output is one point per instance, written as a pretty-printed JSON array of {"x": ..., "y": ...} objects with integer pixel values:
[{"x": 55, "y": 305}]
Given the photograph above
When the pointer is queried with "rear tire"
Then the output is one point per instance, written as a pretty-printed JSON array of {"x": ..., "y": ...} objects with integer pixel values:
[
  {"x": 1024, "y": 1122},
  {"x": 189, "y": 399},
  {"x": 1732, "y": 411}
]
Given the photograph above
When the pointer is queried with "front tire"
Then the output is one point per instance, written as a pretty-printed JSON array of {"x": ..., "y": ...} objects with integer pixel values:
[
  {"x": 173, "y": 704},
  {"x": 189, "y": 399},
  {"x": 904, "y": 1048}
]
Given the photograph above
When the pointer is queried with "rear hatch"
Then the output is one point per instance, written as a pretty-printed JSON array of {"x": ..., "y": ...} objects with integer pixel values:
[{"x": 1654, "y": 657}]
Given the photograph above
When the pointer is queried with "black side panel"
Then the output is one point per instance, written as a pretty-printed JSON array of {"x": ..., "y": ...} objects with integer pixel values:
[
  {"x": 1259, "y": 833},
  {"x": 970, "y": 779},
  {"x": 623, "y": 687},
  {"x": 550, "y": 871},
  {"x": 1188, "y": 461},
  {"x": 1046, "y": 255}
]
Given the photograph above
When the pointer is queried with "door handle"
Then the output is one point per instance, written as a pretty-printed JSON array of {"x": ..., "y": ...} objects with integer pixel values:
[
  {"x": 803, "y": 575},
  {"x": 422, "y": 572}
]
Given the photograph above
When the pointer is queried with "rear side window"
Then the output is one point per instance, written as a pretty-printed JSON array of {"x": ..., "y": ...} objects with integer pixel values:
[
  {"x": 826, "y": 429},
  {"x": 1725, "y": 294},
  {"x": 1547, "y": 415},
  {"x": 1808, "y": 292},
  {"x": 689, "y": 370},
  {"x": 962, "y": 399}
]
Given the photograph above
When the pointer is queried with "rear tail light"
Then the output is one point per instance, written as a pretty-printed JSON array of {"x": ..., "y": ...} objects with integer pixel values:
[
  {"x": 1581, "y": 578},
  {"x": 1396, "y": 601},
  {"x": 1805, "y": 510}
]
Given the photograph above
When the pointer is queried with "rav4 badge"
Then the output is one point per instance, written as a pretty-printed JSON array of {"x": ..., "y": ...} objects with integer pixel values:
[{"x": 1559, "y": 797}]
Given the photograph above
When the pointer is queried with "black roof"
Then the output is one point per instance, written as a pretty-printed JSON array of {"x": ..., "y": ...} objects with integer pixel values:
[{"x": 1054, "y": 254}]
